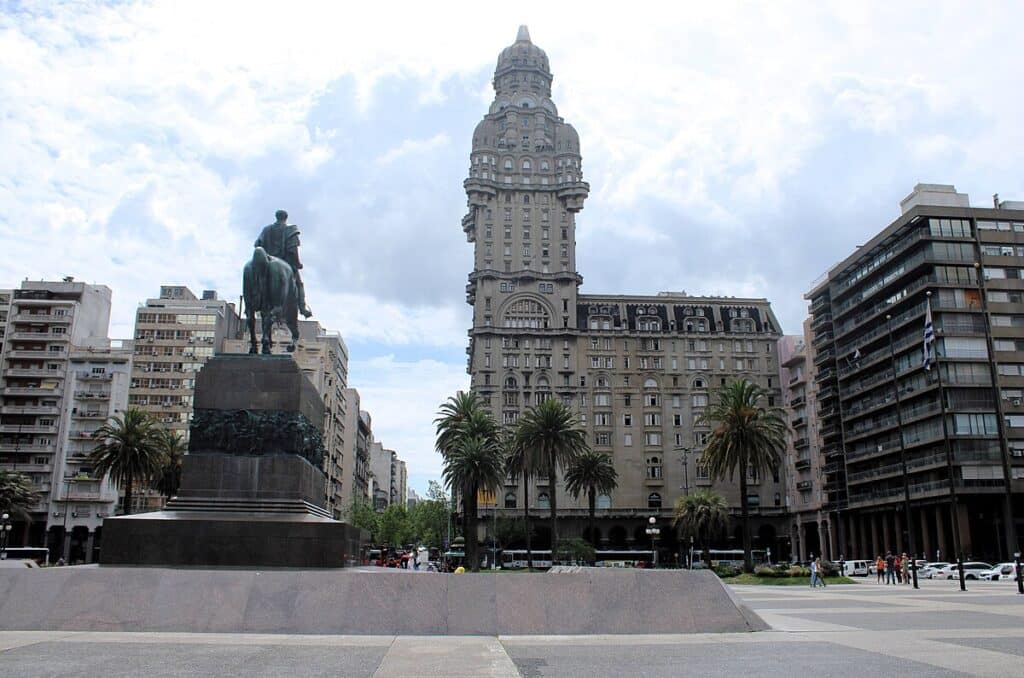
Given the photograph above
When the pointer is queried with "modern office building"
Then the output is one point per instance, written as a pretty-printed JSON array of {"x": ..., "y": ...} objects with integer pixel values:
[
  {"x": 323, "y": 357},
  {"x": 175, "y": 334},
  {"x": 639, "y": 369},
  {"x": 885, "y": 420},
  {"x": 803, "y": 466},
  {"x": 62, "y": 379}
]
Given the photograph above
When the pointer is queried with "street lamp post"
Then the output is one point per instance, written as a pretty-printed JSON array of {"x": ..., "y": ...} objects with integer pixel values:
[
  {"x": 686, "y": 468},
  {"x": 903, "y": 450},
  {"x": 6, "y": 526},
  {"x": 1016, "y": 569},
  {"x": 653, "y": 531}
]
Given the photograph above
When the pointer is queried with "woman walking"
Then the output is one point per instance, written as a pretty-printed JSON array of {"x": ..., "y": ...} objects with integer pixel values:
[{"x": 880, "y": 568}]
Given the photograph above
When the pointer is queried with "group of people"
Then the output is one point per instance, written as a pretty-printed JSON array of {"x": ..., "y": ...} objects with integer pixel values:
[
  {"x": 817, "y": 575},
  {"x": 894, "y": 568}
]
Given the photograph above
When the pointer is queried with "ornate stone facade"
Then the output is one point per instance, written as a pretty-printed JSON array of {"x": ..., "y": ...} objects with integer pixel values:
[{"x": 639, "y": 369}]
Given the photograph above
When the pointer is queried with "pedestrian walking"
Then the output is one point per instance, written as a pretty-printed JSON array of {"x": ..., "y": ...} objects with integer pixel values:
[
  {"x": 897, "y": 565},
  {"x": 820, "y": 573},
  {"x": 906, "y": 569},
  {"x": 880, "y": 568},
  {"x": 890, "y": 568},
  {"x": 814, "y": 573}
]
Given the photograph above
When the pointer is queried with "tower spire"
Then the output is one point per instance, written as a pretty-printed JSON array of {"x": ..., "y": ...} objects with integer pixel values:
[{"x": 523, "y": 35}]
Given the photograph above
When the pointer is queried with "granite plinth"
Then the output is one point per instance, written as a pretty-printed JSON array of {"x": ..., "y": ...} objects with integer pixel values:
[
  {"x": 229, "y": 539},
  {"x": 387, "y": 602},
  {"x": 252, "y": 493}
]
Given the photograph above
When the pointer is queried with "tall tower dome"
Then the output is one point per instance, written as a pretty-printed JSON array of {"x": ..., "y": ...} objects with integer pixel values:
[{"x": 524, "y": 189}]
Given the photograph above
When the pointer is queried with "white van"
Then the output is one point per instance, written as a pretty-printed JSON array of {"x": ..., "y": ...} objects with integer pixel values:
[{"x": 857, "y": 568}]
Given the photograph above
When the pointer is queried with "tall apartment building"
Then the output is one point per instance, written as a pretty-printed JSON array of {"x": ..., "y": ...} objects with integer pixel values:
[
  {"x": 380, "y": 476},
  {"x": 175, "y": 334},
  {"x": 5, "y": 306},
  {"x": 960, "y": 424},
  {"x": 323, "y": 357},
  {"x": 355, "y": 458},
  {"x": 639, "y": 369},
  {"x": 803, "y": 453},
  {"x": 61, "y": 381}
]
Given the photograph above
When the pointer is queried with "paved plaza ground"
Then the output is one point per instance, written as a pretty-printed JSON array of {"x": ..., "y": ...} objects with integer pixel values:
[{"x": 854, "y": 630}]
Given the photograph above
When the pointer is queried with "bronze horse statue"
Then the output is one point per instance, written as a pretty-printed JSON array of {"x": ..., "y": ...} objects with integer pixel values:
[{"x": 268, "y": 288}]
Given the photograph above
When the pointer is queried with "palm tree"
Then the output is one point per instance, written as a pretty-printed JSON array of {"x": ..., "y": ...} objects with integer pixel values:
[
  {"x": 129, "y": 450},
  {"x": 17, "y": 494},
  {"x": 521, "y": 459},
  {"x": 552, "y": 430},
  {"x": 702, "y": 515},
  {"x": 168, "y": 477},
  {"x": 451, "y": 419},
  {"x": 475, "y": 463},
  {"x": 591, "y": 472},
  {"x": 745, "y": 437}
]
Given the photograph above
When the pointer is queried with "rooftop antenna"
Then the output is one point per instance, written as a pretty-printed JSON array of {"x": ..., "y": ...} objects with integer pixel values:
[{"x": 995, "y": 200}]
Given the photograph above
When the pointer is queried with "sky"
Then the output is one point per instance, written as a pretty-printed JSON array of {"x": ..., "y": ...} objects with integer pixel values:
[{"x": 731, "y": 149}]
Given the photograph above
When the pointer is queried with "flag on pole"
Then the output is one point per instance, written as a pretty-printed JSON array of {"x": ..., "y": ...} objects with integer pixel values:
[{"x": 929, "y": 335}]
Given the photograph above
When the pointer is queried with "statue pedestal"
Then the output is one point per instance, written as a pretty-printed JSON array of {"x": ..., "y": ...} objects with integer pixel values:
[{"x": 252, "y": 493}]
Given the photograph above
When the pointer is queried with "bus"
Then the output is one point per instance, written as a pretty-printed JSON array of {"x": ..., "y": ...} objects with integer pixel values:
[
  {"x": 512, "y": 559},
  {"x": 623, "y": 558},
  {"x": 39, "y": 554},
  {"x": 730, "y": 557}
]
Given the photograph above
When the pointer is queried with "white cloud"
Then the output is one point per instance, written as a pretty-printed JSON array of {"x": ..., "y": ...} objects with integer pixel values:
[{"x": 409, "y": 146}]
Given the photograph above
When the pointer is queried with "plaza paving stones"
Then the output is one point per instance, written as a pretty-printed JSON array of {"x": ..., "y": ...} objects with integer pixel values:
[{"x": 856, "y": 630}]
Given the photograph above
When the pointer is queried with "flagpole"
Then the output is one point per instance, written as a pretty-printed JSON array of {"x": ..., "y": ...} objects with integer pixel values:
[
  {"x": 903, "y": 451},
  {"x": 954, "y": 501}
]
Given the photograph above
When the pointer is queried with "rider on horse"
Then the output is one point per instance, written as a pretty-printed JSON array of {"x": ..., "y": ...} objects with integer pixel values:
[{"x": 281, "y": 240}]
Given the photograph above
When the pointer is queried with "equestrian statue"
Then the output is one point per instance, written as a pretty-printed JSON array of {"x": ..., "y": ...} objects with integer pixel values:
[{"x": 271, "y": 284}]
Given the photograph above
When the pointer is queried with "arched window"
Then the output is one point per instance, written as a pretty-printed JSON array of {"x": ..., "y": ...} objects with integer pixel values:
[
  {"x": 544, "y": 165},
  {"x": 648, "y": 324},
  {"x": 741, "y": 325},
  {"x": 650, "y": 382},
  {"x": 543, "y": 500},
  {"x": 527, "y": 166},
  {"x": 508, "y": 164},
  {"x": 602, "y": 382},
  {"x": 526, "y": 313},
  {"x": 510, "y": 500},
  {"x": 604, "y": 501},
  {"x": 654, "y": 500},
  {"x": 699, "y": 383},
  {"x": 510, "y": 382},
  {"x": 542, "y": 382}
]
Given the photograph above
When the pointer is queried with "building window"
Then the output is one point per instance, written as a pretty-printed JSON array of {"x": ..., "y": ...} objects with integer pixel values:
[
  {"x": 654, "y": 500},
  {"x": 544, "y": 500},
  {"x": 510, "y": 500}
]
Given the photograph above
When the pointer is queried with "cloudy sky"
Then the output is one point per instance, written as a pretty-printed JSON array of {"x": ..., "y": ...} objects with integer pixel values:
[{"x": 735, "y": 149}]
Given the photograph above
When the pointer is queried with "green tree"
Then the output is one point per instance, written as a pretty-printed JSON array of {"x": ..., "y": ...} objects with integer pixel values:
[
  {"x": 745, "y": 436},
  {"x": 172, "y": 449},
  {"x": 360, "y": 514},
  {"x": 17, "y": 494},
  {"x": 460, "y": 417},
  {"x": 129, "y": 451},
  {"x": 592, "y": 473},
  {"x": 429, "y": 517},
  {"x": 475, "y": 464},
  {"x": 394, "y": 526},
  {"x": 525, "y": 460},
  {"x": 575, "y": 550},
  {"x": 506, "y": 531},
  {"x": 702, "y": 515},
  {"x": 553, "y": 432}
]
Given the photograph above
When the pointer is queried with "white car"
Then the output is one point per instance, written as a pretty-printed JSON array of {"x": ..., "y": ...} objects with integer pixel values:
[
  {"x": 857, "y": 568},
  {"x": 928, "y": 570},
  {"x": 972, "y": 570},
  {"x": 1001, "y": 572}
]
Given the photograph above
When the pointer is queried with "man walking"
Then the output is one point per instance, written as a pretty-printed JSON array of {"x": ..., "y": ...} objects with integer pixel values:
[{"x": 890, "y": 568}]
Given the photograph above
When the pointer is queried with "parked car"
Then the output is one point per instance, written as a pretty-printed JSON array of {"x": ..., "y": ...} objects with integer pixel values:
[
  {"x": 928, "y": 570},
  {"x": 1002, "y": 571},
  {"x": 972, "y": 570},
  {"x": 857, "y": 568}
]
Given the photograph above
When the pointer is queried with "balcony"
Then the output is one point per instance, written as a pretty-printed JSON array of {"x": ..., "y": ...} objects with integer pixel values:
[
  {"x": 29, "y": 409},
  {"x": 90, "y": 415},
  {"x": 824, "y": 356},
  {"x": 92, "y": 395},
  {"x": 90, "y": 376},
  {"x": 33, "y": 372},
  {"x": 34, "y": 468},
  {"x": 22, "y": 317},
  {"x": 800, "y": 443},
  {"x": 36, "y": 336},
  {"x": 798, "y": 422},
  {"x": 804, "y": 485},
  {"x": 15, "y": 428},
  {"x": 797, "y": 401},
  {"x": 802, "y": 464},
  {"x": 34, "y": 353}
]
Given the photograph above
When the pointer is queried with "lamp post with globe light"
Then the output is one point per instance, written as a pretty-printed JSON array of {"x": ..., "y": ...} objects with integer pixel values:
[
  {"x": 653, "y": 531},
  {"x": 5, "y": 534}
]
